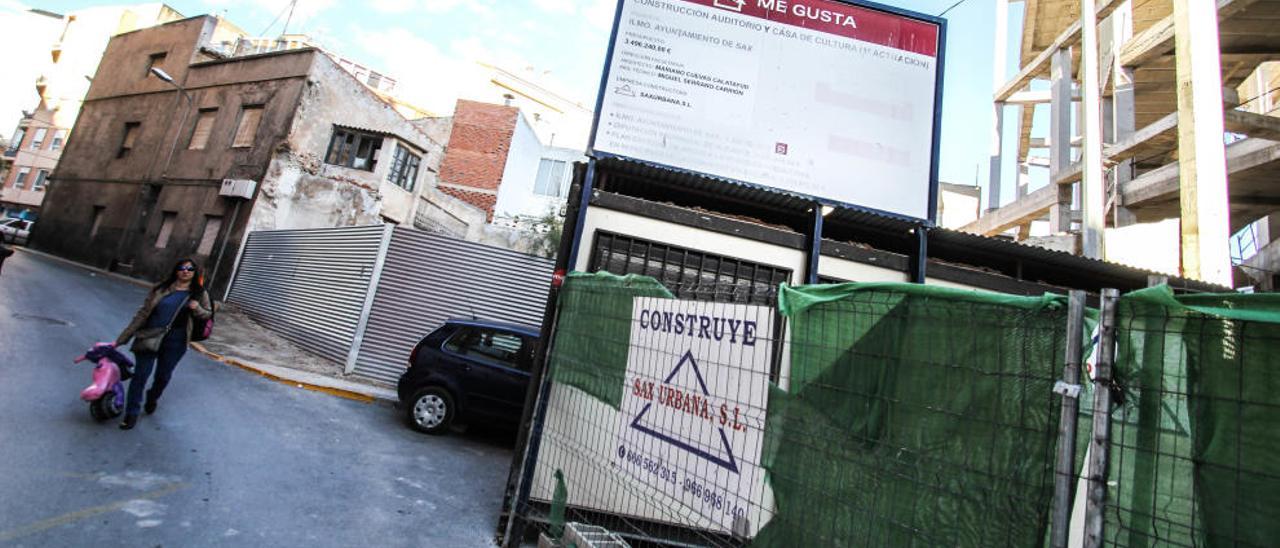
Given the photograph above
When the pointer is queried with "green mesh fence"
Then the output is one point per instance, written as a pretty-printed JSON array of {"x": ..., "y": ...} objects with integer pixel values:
[
  {"x": 593, "y": 328},
  {"x": 1196, "y": 438},
  {"x": 918, "y": 416},
  {"x": 914, "y": 416}
]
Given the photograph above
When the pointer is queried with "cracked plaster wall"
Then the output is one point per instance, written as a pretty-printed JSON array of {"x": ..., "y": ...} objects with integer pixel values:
[{"x": 300, "y": 190}]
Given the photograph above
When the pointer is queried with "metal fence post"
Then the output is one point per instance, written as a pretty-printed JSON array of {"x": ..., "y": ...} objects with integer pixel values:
[
  {"x": 375, "y": 277},
  {"x": 1100, "y": 442},
  {"x": 1069, "y": 388}
]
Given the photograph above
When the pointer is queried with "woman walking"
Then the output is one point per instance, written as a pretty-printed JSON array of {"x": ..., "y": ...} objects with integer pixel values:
[{"x": 161, "y": 330}]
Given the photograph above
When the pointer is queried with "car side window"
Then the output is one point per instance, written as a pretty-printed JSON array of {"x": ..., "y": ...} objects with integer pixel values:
[
  {"x": 497, "y": 346},
  {"x": 458, "y": 342}
]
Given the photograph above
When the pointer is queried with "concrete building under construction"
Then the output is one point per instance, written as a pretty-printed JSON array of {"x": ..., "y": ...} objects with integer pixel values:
[{"x": 1145, "y": 133}]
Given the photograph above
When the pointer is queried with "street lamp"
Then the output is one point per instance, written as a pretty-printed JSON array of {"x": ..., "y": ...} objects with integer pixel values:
[
  {"x": 161, "y": 74},
  {"x": 164, "y": 77}
]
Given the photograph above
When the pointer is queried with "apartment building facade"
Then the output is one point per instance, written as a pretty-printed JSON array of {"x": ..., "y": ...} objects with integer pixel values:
[
  {"x": 143, "y": 180},
  {"x": 71, "y": 58}
]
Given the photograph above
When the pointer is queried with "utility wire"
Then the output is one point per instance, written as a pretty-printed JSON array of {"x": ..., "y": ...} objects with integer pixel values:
[
  {"x": 273, "y": 21},
  {"x": 958, "y": 2}
]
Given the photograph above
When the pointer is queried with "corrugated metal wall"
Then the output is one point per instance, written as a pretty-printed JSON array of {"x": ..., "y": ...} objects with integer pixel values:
[
  {"x": 429, "y": 278},
  {"x": 309, "y": 286}
]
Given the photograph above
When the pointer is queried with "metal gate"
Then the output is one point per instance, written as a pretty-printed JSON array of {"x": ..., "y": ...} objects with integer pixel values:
[
  {"x": 310, "y": 286},
  {"x": 428, "y": 278}
]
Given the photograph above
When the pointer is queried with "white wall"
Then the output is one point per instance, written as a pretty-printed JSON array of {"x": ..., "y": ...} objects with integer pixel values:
[
  {"x": 1153, "y": 246},
  {"x": 858, "y": 272},
  {"x": 956, "y": 209},
  {"x": 516, "y": 197},
  {"x": 520, "y": 171}
]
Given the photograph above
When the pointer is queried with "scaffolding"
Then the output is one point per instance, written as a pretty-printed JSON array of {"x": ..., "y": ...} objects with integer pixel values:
[{"x": 1156, "y": 109}]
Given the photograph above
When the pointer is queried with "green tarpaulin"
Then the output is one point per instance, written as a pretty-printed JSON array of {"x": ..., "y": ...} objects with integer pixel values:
[
  {"x": 594, "y": 329},
  {"x": 1196, "y": 440},
  {"x": 914, "y": 416}
]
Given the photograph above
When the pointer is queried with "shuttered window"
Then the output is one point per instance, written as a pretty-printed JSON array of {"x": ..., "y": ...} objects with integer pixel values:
[
  {"x": 204, "y": 127},
  {"x": 131, "y": 130},
  {"x": 97, "y": 221},
  {"x": 166, "y": 229},
  {"x": 38, "y": 140},
  {"x": 248, "y": 128},
  {"x": 212, "y": 225},
  {"x": 18, "y": 136},
  {"x": 689, "y": 274}
]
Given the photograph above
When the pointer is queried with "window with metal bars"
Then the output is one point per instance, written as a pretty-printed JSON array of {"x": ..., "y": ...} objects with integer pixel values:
[{"x": 687, "y": 273}]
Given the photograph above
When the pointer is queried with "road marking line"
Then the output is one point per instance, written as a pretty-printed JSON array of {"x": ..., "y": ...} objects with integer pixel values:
[{"x": 57, "y": 521}]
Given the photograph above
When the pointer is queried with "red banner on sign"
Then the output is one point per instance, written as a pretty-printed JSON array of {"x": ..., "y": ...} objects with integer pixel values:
[{"x": 863, "y": 24}]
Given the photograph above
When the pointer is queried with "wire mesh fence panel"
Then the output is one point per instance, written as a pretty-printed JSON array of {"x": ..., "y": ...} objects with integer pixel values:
[
  {"x": 915, "y": 416},
  {"x": 655, "y": 415},
  {"x": 902, "y": 416},
  {"x": 1196, "y": 430}
]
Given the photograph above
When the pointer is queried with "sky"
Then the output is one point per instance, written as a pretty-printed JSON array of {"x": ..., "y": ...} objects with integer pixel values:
[{"x": 422, "y": 42}]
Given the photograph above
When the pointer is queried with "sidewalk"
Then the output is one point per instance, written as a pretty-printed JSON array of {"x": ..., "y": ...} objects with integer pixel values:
[{"x": 238, "y": 340}]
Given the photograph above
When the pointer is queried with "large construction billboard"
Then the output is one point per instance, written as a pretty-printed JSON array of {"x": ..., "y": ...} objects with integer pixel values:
[{"x": 815, "y": 97}]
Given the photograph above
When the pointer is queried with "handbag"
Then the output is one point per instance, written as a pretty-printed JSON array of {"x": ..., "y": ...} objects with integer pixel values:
[
  {"x": 202, "y": 329},
  {"x": 149, "y": 339}
]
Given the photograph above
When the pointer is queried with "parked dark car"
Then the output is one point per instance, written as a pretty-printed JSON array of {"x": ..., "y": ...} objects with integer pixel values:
[{"x": 468, "y": 371}]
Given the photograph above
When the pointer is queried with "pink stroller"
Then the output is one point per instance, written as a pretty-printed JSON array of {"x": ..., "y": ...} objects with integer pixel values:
[{"x": 106, "y": 394}]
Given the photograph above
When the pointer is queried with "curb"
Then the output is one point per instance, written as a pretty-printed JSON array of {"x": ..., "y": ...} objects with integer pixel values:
[
  {"x": 82, "y": 266},
  {"x": 333, "y": 391}
]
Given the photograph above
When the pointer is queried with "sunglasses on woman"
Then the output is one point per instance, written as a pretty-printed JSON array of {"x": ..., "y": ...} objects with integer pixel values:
[{"x": 186, "y": 269}]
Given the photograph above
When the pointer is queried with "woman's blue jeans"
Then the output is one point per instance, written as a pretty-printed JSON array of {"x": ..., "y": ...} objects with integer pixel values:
[{"x": 163, "y": 362}]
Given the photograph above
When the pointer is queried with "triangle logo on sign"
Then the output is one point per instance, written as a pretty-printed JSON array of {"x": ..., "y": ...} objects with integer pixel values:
[{"x": 727, "y": 460}]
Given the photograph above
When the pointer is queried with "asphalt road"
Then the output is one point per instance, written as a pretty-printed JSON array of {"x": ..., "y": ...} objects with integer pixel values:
[{"x": 230, "y": 458}]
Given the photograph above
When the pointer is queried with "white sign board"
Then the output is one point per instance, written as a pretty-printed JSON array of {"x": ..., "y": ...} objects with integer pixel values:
[
  {"x": 691, "y": 423},
  {"x": 816, "y": 97}
]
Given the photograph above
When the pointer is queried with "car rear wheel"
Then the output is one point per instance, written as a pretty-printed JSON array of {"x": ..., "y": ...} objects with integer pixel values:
[{"x": 431, "y": 410}]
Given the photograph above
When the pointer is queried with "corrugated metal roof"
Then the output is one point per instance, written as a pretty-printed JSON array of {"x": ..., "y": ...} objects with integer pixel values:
[
  {"x": 945, "y": 244},
  {"x": 957, "y": 240},
  {"x": 730, "y": 188}
]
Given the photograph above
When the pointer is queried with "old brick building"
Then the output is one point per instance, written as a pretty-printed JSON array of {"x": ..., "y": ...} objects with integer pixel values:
[
  {"x": 139, "y": 183},
  {"x": 478, "y": 148}
]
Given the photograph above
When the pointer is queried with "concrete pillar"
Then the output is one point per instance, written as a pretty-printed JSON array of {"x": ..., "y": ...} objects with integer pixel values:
[
  {"x": 1202, "y": 162},
  {"x": 1060, "y": 136},
  {"x": 1123, "y": 120},
  {"x": 1093, "y": 187},
  {"x": 1024, "y": 177}
]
